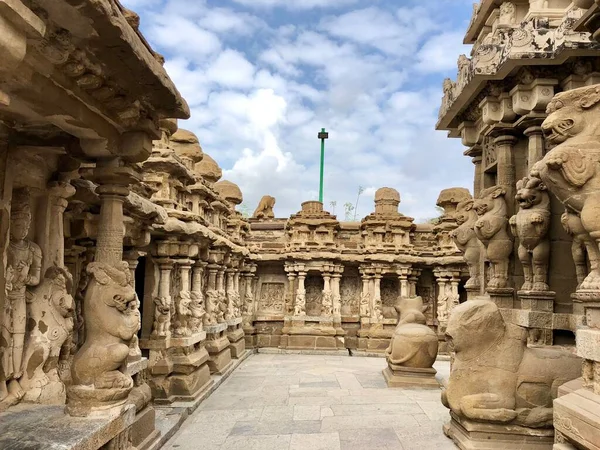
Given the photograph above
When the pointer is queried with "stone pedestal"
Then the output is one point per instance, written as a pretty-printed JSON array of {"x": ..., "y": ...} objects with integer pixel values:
[
  {"x": 398, "y": 376},
  {"x": 310, "y": 333},
  {"x": 218, "y": 347},
  {"x": 235, "y": 335},
  {"x": 503, "y": 297},
  {"x": 250, "y": 338},
  {"x": 540, "y": 307},
  {"x": 469, "y": 435},
  {"x": 183, "y": 374}
]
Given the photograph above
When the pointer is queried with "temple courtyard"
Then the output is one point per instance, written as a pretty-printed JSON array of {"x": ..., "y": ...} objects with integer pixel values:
[{"x": 297, "y": 402}]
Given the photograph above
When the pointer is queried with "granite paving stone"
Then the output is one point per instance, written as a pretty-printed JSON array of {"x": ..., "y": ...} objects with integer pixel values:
[{"x": 314, "y": 402}]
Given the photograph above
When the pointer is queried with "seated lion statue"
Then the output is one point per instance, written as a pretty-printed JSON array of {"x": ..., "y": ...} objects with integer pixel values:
[
  {"x": 265, "y": 208},
  {"x": 495, "y": 377}
]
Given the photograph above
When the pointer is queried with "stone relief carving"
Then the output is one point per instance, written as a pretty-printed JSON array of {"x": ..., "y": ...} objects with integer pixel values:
[
  {"x": 112, "y": 319},
  {"x": 212, "y": 307},
  {"x": 531, "y": 225},
  {"x": 162, "y": 316},
  {"x": 466, "y": 240},
  {"x": 50, "y": 323},
  {"x": 525, "y": 379},
  {"x": 390, "y": 291},
  {"x": 265, "y": 208},
  {"x": 491, "y": 229},
  {"x": 24, "y": 262},
  {"x": 272, "y": 296},
  {"x": 184, "y": 313},
  {"x": 569, "y": 170},
  {"x": 350, "y": 295},
  {"x": 508, "y": 14},
  {"x": 314, "y": 295}
]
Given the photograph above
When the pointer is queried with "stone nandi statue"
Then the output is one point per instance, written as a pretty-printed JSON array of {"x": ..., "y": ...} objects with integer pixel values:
[
  {"x": 112, "y": 319},
  {"x": 413, "y": 348},
  {"x": 570, "y": 169},
  {"x": 491, "y": 228},
  {"x": 531, "y": 225},
  {"x": 466, "y": 240},
  {"x": 495, "y": 377}
]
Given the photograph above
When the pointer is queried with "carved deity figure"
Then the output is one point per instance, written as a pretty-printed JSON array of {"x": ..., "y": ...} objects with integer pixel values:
[
  {"x": 464, "y": 74},
  {"x": 570, "y": 169},
  {"x": 162, "y": 317},
  {"x": 531, "y": 225},
  {"x": 300, "y": 304},
  {"x": 495, "y": 377},
  {"x": 327, "y": 303},
  {"x": 112, "y": 319},
  {"x": 50, "y": 323},
  {"x": 413, "y": 343},
  {"x": 491, "y": 229},
  {"x": 508, "y": 14},
  {"x": 583, "y": 247},
  {"x": 265, "y": 208},
  {"x": 466, "y": 240},
  {"x": 365, "y": 300},
  {"x": 24, "y": 263}
]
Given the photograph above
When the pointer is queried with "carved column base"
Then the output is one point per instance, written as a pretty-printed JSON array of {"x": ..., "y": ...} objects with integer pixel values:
[
  {"x": 235, "y": 335},
  {"x": 143, "y": 430},
  {"x": 577, "y": 417},
  {"x": 85, "y": 401},
  {"x": 540, "y": 307},
  {"x": 503, "y": 297},
  {"x": 218, "y": 349},
  {"x": 179, "y": 370},
  {"x": 398, "y": 376},
  {"x": 250, "y": 336},
  {"x": 469, "y": 435}
]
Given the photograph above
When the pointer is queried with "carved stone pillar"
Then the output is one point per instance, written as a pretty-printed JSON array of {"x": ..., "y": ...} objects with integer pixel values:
[
  {"x": 403, "y": 282},
  {"x": 230, "y": 310},
  {"x": 365, "y": 298},
  {"x": 506, "y": 168},
  {"x": 197, "y": 305},
  {"x": 536, "y": 145},
  {"x": 221, "y": 295},
  {"x": 327, "y": 301},
  {"x": 300, "y": 303},
  {"x": 454, "y": 296},
  {"x": 291, "y": 292},
  {"x": 212, "y": 297},
  {"x": 442, "y": 299},
  {"x": 184, "y": 299},
  {"x": 413, "y": 279},
  {"x": 236, "y": 290},
  {"x": 478, "y": 180},
  {"x": 162, "y": 303},
  {"x": 377, "y": 312},
  {"x": 54, "y": 250},
  {"x": 248, "y": 306},
  {"x": 335, "y": 288}
]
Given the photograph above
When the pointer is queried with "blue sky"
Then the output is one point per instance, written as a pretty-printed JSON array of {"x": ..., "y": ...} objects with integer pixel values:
[{"x": 263, "y": 76}]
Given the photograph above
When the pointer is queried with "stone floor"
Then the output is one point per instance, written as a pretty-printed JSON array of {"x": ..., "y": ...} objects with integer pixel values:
[{"x": 314, "y": 402}]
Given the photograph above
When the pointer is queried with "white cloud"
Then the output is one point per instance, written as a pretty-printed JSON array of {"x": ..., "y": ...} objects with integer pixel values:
[
  {"x": 295, "y": 4},
  {"x": 231, "y": 69},
  {"x": 440, "y": 52}
]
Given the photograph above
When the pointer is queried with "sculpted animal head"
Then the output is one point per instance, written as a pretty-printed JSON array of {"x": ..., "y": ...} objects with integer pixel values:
[
  {"x": 410, "y": 310},
  {"x": 572, "y": 113},
  {"x": 489, "y": 200},
  {"x": 474, "y": 326},
  {"x": 531, "y": 192},
  {"x": 61, "y": 283},
  {"x": 465, "y": 212},
  {"x": 110, "y": 301}
]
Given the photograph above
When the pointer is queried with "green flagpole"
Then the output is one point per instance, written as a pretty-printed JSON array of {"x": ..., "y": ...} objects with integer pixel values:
[{"x": 322, "y": 135}]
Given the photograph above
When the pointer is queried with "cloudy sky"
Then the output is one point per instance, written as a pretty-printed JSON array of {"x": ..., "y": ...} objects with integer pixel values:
[{"x": 262, "y": 77}]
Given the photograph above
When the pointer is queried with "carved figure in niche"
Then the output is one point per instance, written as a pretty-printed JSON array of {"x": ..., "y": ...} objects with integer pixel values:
[
  {"x": 466, "y": 240},
  {"x": 495, "y": 377},
  {"x": 314, "y": 296},
  {"x": 265, "y": 208},
  {"x": 162, "y": 316},
  {"x": 197, "y": 310},
  {"x": 365, "y": 301},
  {"x": 464, "y": 74},
  {"x": 327, "y": 303},
  {"x": 50, "y": 324},
  {"x": 491, "y": 229},
  {"x": 222, "y": 305},
  {"x": 531, "y": 225},
  {"x": 442, "y": 309},
  {"x": 582, "y": 245},
  {"x": 349, "y": 293},
  {"x": 112, "y": 319},
  {"x": 508, "y": 14},
  {"x": 413, "y": 343},
  {"x": 24, "y": 264},
  {"x": 300, "y": 306},
  {"x": 212, "y": 306},
  {"x": 184, "y": 312},
  {"x": 570, "y": 169}
]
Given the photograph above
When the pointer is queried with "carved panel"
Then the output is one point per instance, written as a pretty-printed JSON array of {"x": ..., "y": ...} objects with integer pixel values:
[
  {"x": 272, "y": 297},
  {"x": 350, "y": 290},
  {"x": 428, "y": 295},
  {"x": 314, "y": 295},
  {"x": 489, "y": 152},
  {"x": 390, "y": 291}
]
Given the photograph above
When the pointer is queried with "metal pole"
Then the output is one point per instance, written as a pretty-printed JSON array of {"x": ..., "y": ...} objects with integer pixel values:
[{"x": 322, "y": 135}]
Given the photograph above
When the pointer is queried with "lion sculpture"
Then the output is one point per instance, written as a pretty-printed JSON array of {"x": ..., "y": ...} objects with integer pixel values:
[
  {"x": 50, "y": 312},
  {"x": 491, "y": 228},
  {"x": 531, "y": 225},
  {"x": 465, "y": 239},
  {"x": 112, "y": 319},
  {"x": 495, "y": 377},
  {"x": 265, "y": 208},
  {"x": 570, "y": 168}
]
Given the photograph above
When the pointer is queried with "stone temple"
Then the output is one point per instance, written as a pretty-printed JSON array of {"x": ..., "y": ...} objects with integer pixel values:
[{"x": 131, "y": 287}]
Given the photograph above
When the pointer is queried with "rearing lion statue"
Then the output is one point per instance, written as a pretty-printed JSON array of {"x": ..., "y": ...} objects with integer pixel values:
[
  {"x": 491, "y": 229},
  {"x": 465, "y": 239},
  {"x": 570, "y": 169}
]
